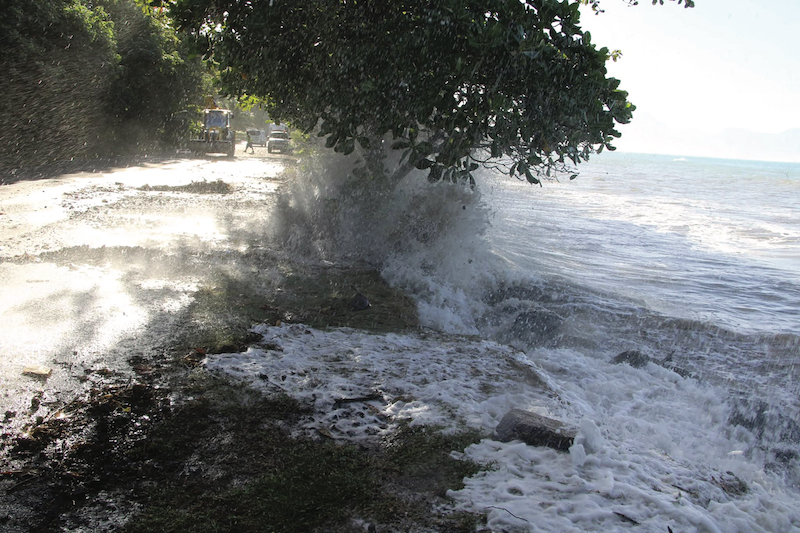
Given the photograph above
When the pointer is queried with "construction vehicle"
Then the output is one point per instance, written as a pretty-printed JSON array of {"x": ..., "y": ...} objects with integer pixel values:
[{"x": 217, "y": 135}]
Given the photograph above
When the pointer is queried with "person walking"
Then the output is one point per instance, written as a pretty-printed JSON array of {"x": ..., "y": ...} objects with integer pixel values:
[{"x": 249, "y": 144}]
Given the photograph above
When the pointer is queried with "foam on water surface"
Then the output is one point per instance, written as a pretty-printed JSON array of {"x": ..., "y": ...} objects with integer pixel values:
[{"x": 653, "y": 448}]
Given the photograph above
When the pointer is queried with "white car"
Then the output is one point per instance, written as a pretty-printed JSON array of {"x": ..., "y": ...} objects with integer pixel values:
[{"x": 278, "y": 141}]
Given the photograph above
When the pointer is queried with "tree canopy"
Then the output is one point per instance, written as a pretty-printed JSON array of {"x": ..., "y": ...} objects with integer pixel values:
[
  {"x": 58, "y": 57},
  {"x": 455, "y": 82},
  {"x": 90, "y": 78},
  {"x": 596, "y": 3}
]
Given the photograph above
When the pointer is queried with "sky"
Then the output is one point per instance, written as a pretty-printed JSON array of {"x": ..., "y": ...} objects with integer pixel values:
[{"x": 693, "y": 73}]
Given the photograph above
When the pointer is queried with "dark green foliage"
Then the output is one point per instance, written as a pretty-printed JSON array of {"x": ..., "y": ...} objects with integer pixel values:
[
  {"x": 87, "y": 79},
  {"x": 155, "y": 81},
  {"x": 58, "y": 62},
  {"x": 454, "y": 81}
]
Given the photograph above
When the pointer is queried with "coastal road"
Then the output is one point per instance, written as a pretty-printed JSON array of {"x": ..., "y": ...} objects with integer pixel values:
[{"x": 94, "y": 267}]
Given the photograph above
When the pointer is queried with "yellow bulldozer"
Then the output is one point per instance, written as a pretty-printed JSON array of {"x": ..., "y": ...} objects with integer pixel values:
[{"x": 217, "y": 135}]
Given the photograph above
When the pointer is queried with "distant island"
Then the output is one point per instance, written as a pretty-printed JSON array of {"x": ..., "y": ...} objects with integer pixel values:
[{"x": 646, "y": 135}]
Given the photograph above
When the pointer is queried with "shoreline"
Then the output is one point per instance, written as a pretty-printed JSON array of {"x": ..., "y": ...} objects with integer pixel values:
[
  {"x": 171, "y": 274},
  {"x": 107, "y": 435}
]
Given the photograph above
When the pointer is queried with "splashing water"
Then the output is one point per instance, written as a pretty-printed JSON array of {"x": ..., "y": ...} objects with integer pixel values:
[{"x": 694, "y": 264}]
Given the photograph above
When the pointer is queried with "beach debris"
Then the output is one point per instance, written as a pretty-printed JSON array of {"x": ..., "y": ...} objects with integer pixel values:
[
  {"x": 374, "y": 395},
  {"x": 37, "y": 371},
  {"x": 196, "y": 356},
  {"x": 376, "y": 412},
  {"x": 535, "y": 430},
  {"x": 635, "y": 358},
  {"x": 730, "y": 483},
  {"x": 325, "y": 432},
  {"x": 626, "y": 518},
  {"x": 360, "y": 302},
  {"x": 36, "y": 402},
  {"x": 272, "y": 346}
]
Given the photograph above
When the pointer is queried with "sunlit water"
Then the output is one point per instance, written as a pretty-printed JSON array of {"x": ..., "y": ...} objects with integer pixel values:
[
  {"x": 697, "y": 260},
  {"x": 711, "y": 240},
  {"x": 693, "y": 262}
]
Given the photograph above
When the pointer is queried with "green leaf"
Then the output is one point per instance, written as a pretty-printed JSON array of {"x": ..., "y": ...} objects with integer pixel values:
[
  {"x": 325, "y": 128},
  {"x": 348, "y": 146},
  {"x": 364, "y": 142},
  {"x": 424, "y": 148},
  {"x": 400, "y": 145},
  {"x": 530, "y": 177},
  {"x": 435, "y": 174},
  {"x": 422, "y": 164}
]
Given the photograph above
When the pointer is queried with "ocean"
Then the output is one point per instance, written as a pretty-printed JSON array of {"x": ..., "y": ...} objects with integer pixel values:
[
  {"x": 695, "y": 260},
  {"x": 692, "y": 263}
]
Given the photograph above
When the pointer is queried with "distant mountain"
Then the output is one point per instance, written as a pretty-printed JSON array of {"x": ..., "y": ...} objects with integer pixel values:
[
  {"x": 647, "y": 135},
  {"x": 772, "y": 147}
]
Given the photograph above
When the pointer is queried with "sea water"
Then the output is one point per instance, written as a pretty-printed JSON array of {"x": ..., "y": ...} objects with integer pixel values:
[
  {"x": 697, "y": 260},
  {"x": 703, "y": 239},
  {"x": 692, "y": 263},
  {"x": 692, "y": 260}
]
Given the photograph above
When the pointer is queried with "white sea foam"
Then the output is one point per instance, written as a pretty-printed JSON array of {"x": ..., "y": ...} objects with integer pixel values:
[{"x": 653, "y": 447}]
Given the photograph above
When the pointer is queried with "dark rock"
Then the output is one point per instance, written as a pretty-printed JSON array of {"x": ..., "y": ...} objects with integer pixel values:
[
  {"x": 682, "y": 372},
  {"x": 360, "y": 302},
  {"x": 534, "y": 429},
  {"x": 766, "y": 421},
  {"x": 731, "y": 484},
  {"x": 670, "y": 364},
  {"x": 635, "y": 358},
  {"x": 535, "y": 324}
]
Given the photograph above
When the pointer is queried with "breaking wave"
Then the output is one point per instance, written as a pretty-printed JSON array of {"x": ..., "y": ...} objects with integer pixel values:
[{"x": 554, "y": 269}]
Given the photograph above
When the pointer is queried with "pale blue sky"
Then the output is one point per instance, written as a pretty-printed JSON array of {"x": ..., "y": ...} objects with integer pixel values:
[{"x": 723, "y": 64}]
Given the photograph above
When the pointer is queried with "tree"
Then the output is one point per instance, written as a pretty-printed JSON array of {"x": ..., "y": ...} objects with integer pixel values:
[
  {"x": 90, "y": 78},
  {"x": 57, "y": 62},
  {"x": 455, "y": 82},
  {"x": 157, "y": 77}
]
